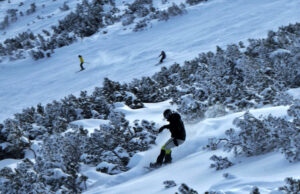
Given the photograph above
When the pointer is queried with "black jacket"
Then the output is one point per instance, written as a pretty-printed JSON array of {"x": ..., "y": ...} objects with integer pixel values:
[{"x": 176, "y": 126}]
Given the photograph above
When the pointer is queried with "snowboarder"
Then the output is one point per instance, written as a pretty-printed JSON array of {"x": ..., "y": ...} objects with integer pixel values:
[
  {"x": 177, "y": 130},
  {"x": 163, "y": 56},
  {"x": 81, "y": 62}
]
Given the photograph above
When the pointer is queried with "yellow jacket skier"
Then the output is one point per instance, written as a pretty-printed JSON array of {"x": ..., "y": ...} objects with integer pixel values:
[{"x": 81, "y": 62}]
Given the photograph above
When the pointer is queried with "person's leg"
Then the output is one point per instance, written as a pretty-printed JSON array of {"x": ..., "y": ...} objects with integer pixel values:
[
  {"x": 163, "y": 152},
  {"x": 161, "y": 157},
  {"x": 81, "y": 66},
  {"x": 168, "y": 146},
  {"x": 162, "y": 59},
  {"x": 168, "y": 158}
]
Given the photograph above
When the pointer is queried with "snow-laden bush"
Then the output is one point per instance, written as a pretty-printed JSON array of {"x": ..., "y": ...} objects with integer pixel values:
[
  {"x": 185, "y": 189},
  {"x": 22, "y": 179},
  {"x": 259, "y": 136},
  {"x": 213, "y": 143},
  {"x": 294, "y": 111},
  {"x": 191, "y": 108},
  {"x": 253, "y": 137},
  {"x": 32, "y": 9},
  {"x": 65, "y": 7},
  {"x": 36, "y": 55},
  {"x": 215, "y": 111},
  {"x": 292, "y": 185},
  {"x": 255, "y": 190},
  {"x": 13, "y": 141},
  {"x": 127, "y": 19},
  {"x": 114, "y": 144},
  {"x": 169, "y": 184},
  {"x": 175, "y": 10},
  {"x": 285, "y": 136},
  {"x": 214, "y": 192},
  {"x": 220, "y": 162},
  {"x": 141, "y": 25},
  {"x": 194, "y": 2},
  {"x": 5, "y": 23},
  {"x": 58, "y": 168},
  {"x": 147, "y": 90},
  {"x": 140, "y": 8}
]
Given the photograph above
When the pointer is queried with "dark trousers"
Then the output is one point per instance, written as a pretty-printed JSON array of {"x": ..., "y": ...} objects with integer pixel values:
[
  {"x": 81, "y": 66},
  {"x": 162, "y": 59},
  {"x": 163, "y": 157}
]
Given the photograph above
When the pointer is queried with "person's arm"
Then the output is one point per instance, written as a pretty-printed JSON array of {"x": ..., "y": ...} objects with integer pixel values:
[{"x": 163, "y": 127}]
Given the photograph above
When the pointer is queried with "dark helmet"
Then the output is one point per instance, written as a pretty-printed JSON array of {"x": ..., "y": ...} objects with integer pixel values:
[
  {"x": 167, "y": 113},
  {"x": 79, "y": 55}
]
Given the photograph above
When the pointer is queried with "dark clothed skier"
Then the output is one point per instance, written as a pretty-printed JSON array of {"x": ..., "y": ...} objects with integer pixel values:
[
  {"x": 81, "y": 62},
  {"x": 177, "y": 130},
  {"x": 163, "y": 56}
]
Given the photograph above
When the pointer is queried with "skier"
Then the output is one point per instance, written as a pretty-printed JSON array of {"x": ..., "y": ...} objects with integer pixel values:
[
  {"x": 163, "y": 56},
  {"x": 177, "y": 130},
  {"x": 81, "y": 62}
]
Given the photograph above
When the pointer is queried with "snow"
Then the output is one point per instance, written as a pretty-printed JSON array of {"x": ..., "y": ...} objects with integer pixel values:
[
  {"x": 280, "y": 52},
  {"x": 123, "y": 55},
  {"x": 90, "y": 124},
  {"x": 191, "y": 163},
  {"x": 295, "y": 93}
]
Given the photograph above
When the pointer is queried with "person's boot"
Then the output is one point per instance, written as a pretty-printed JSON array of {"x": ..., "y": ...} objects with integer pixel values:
[
  {"x": 168, "y": 158},
  {"x": 159, "y": 159}
]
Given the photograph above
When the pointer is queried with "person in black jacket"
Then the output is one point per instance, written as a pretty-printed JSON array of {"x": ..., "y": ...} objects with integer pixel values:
[
  {"x": 177, "y": 130},
  {"x": 163, "y": 56}
]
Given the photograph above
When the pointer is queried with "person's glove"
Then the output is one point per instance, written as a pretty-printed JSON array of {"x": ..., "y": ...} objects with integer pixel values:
[
  {"x": 160, "y": 129},
  {"x": 175, "y": 142}
]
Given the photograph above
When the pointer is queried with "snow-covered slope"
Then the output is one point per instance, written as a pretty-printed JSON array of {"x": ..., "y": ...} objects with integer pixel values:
[
  {"x": 124, "y": 55},
  {"x": 46, "y": 15},
  {"x": 191, "y": 163}
]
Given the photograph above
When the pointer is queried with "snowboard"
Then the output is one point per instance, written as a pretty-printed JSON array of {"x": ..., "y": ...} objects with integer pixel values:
[
  {"x": 79, "y": 70},
  {"x": 152, "y": 167}
]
